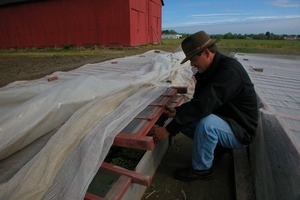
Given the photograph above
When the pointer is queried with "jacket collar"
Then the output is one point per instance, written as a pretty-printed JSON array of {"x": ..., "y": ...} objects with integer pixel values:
[{"x": 210, "y": 71}]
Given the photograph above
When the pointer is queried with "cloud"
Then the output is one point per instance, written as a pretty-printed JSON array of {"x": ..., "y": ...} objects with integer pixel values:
[
  {"x": 285, "y": 3},
  {"x": 230, "y": 18},
  {"x": 280, "y": 26},
  {"x": 263, "y": 18},
  {"x": 218, "y": 14}
]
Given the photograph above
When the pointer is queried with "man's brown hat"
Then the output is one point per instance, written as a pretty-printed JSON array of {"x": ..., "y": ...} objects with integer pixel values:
[{"x": 196, "y": 43}]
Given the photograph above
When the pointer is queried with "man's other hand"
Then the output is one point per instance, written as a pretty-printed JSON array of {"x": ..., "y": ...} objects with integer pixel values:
[
  {"x": 170, "y": 112},
  {"x": 158, "y": 133}
]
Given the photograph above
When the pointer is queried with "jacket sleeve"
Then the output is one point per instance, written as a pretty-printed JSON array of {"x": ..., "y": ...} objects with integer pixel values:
[{"x": 224, "y": 86}]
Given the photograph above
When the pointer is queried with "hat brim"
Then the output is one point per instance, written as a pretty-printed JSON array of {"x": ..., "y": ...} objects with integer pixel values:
[{"x": 188, "y": 57}]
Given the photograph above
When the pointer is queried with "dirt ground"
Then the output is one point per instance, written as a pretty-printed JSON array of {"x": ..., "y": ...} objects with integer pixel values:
[
  {"x": 164, "y": 186},
  {"x": 16, "y": 68},
  {"x": 16, "y": 65}
]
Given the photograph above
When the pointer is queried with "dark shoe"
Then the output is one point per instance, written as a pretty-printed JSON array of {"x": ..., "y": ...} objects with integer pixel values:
[{"x": 190, "y": 174}]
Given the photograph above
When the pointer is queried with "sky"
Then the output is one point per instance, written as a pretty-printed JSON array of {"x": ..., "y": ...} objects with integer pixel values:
[{"x": 232, "y": 16}]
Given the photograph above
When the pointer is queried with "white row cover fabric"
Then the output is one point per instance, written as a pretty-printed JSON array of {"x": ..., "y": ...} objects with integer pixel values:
[
  {"x": 275, "y": 152},
  {"x": 54, "y": 135}
]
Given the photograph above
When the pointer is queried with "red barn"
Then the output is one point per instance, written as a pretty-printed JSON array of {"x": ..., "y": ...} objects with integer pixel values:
[{"x": 55, "y": 23}]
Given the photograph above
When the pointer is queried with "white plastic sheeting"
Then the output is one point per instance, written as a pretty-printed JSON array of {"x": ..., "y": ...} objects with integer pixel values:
[
  {"x": 54, "y": 135},
  {"x": 275, "y": 152},
  {"x": 277, "y": 82}
]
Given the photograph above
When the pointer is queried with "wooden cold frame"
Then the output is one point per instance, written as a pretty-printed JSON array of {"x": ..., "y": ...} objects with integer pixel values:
[{"x": 134, "y": 135}]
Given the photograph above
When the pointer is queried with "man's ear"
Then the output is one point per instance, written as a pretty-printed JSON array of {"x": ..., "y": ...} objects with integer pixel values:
[{"x": 206, "y": 52}]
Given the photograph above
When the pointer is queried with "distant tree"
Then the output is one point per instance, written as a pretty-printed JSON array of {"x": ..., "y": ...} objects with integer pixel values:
[
  {"x": 228, "y": 36},
  {"x": 260, "y": 36},
  {"x": 240, "y": 36},
  {"x": 173, "y": 32},
  {"x": 169, "y": 32},
  {"x": 268, "y": 35},
  {"x": 216, "y": 36}
]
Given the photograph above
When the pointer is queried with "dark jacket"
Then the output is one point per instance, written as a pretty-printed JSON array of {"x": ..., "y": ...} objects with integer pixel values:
[{"x": 225, "y": 90}]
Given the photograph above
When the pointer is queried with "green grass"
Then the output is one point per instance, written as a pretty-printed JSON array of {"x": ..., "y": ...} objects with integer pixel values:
[
  {"x": 286, "y": 47},
  {"x": 226, "y": 46}
]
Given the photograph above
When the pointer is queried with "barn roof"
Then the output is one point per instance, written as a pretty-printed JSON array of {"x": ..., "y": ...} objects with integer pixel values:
[{"x": 10, "y": 2}]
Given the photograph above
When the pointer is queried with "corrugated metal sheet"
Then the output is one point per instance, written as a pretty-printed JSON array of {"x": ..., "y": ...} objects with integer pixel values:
[{"x": 51, "y": 23}]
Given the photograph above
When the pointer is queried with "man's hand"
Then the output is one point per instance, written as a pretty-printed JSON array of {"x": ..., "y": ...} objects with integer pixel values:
[
  {"x": 170, "y": 112},
  {"x": 158, "y": 133}
]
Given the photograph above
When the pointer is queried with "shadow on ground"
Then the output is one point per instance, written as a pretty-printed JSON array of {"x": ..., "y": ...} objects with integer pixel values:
[{"x": 165, "y": 187}]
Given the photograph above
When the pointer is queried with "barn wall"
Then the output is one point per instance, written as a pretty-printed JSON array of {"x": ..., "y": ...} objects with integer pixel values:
[
  {"x": 49, "y": 23},
  {"x": 113, "y": 23},
  {"x": 145, "y": 18},
  {"x": 138, "y": 22},
  {"x": 155, "y": 29},
  {"x": 55, "y": 23}
]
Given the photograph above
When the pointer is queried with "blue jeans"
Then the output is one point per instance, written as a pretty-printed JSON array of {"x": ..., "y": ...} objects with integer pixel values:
[{"x": 206, "y": 134}]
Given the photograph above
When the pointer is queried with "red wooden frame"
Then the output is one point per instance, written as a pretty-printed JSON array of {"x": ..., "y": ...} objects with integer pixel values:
[
  {"x": 138, "y": 139},
  {"x": 116, "y": 192}
]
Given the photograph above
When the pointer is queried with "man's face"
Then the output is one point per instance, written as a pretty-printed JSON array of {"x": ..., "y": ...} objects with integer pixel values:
[{"x": 201, "y": 62}]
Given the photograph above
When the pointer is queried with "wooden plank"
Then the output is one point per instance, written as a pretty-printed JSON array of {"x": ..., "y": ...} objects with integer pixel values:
[
  {"x": 181, "y": 89},
  {"x": 161, "y": 101},
  {"x": 152, "y": 112},
  {"x": 133, "y": 141},
  {"x": 243, "y": 181},
  {"x": 170, "y": 92},
  {"x": 119, "y": 188},
  {"x": 90, "y": 196},
  {"x": 147, "y": 165},
  {"x": 135, "y": 177}
]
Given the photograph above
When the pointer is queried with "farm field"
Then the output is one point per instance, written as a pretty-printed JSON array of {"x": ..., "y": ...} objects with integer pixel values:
[
  {"x": 27, "y": 64},
  {"x": 283, "y": 47}
]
